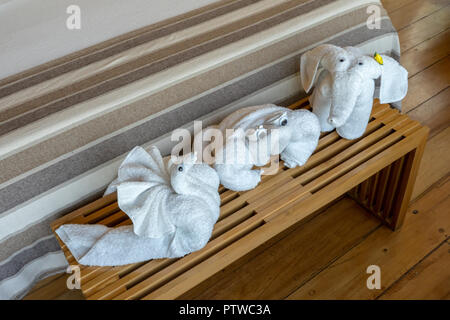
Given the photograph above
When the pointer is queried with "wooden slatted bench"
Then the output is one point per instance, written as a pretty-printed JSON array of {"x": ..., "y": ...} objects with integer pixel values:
[{"x": 378, "y": 170}]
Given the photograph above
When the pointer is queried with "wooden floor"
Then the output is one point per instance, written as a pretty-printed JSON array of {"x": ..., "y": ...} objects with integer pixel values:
[{"x": 327, "y": 257}]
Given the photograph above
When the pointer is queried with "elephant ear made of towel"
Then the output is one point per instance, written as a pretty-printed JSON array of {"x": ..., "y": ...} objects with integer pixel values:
[
  {"x": 295, "y": 139},
  {"x": 344, "y": 86},
  {"x": 172, "y": 202}
]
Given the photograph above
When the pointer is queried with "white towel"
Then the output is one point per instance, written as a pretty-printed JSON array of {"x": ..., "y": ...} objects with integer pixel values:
[
  {"x": 173, "y": 203},
  {"x": 259, "y": 133}
]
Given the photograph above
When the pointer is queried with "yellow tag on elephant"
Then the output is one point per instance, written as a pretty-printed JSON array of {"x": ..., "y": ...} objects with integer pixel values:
[{"x": 378, "y": 58}]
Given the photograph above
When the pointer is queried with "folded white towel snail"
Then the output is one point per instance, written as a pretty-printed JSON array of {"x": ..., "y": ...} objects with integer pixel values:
[{"x": 172, "y": 202}]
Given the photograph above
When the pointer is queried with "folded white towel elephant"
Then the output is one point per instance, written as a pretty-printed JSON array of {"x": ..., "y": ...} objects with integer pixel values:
[
  {"x": 293, "y": 134},
  {"x": 344, "y": 81},
  {"x": 173, "y": 204}
]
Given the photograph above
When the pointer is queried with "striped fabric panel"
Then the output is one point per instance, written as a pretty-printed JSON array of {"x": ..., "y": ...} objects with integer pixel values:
[
  {"x": 47, "y": 264},
  {"x": 66, "y": 126},
  {"x": 144, "y": 65},
  {"x": 110, "y": 47},
  {"x": 102, "y": 59}
]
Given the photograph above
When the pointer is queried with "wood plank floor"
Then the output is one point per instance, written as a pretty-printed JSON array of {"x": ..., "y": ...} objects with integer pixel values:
[{"x": 327, "y": 257}]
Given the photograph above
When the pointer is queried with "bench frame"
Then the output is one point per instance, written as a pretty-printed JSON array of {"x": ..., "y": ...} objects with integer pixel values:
[{"x": 378, "y": 170}]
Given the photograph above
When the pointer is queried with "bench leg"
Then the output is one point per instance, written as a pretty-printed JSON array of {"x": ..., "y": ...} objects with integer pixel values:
[{"x": 387, "y": 193}]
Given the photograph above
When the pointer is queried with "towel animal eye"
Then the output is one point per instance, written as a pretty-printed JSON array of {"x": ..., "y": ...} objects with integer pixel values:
[
  {"x": 180, "y": 168},
  {"x": 284, "y": 122},
  {"x": 341, "y": 60},
  {"x": 360, "y": 63}
]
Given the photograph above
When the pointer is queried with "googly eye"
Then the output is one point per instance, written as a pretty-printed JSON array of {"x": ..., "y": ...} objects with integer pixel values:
[
  {"x": 284, "y": 122},
  {"x": 341, "y": 60},
  {"x": 180, "y": 168}
]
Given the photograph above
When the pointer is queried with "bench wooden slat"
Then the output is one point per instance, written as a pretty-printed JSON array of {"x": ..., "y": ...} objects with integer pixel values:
[
  {"x": 392, "y": 186},
  {"x": 85, "y": 210}
]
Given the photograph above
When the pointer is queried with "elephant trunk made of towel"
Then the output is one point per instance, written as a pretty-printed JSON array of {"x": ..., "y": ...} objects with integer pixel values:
[
  {"x": 172, "y": 202},
  {"x": 344, "y": 81},
  {"x": 293, "y": 134}
]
